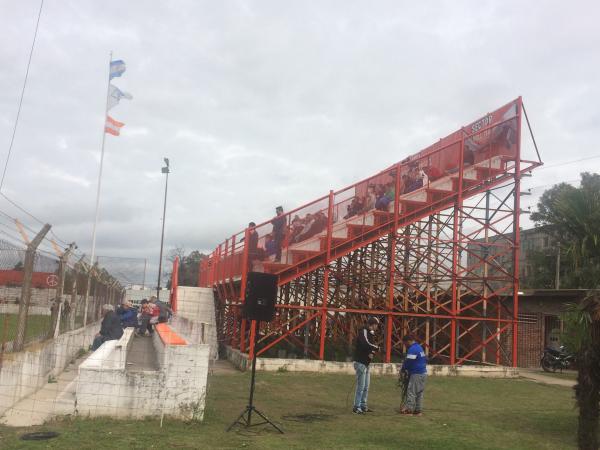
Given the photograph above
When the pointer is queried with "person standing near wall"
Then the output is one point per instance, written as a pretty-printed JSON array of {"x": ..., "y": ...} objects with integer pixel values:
[
  {"x": 415, "y": 364},
  {"x": 364, "y": 351}
]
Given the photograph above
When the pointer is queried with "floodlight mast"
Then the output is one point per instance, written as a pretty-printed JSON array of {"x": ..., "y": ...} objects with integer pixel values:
[{"x": 166, "y": 171}]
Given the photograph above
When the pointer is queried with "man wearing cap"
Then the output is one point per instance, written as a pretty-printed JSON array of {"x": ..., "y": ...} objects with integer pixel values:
[
  {"x": 364, "y": 351},
  {"x": 415, "y": 364}
]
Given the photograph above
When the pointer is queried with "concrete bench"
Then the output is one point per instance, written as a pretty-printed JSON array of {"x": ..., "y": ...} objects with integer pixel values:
[
  {"x": 168, "y": 336},
  {"x": 111, "y": 354}
]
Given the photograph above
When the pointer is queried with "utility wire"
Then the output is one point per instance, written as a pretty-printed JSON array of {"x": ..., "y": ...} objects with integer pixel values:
[
  {"x": 568, "y": 162},
  {"x": 12, "y": 139}
]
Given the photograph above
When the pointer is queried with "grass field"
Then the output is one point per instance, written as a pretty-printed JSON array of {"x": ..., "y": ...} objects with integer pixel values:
[
  {"x": 460, "y": 413},
  {"x": 37, "y": 325}
]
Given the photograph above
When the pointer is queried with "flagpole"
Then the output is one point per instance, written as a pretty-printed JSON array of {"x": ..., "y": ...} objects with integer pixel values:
[{"x": 93, "y": 254}]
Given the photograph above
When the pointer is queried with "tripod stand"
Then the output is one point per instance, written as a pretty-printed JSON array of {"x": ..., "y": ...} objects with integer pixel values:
[{"x": 245, "y": 417}]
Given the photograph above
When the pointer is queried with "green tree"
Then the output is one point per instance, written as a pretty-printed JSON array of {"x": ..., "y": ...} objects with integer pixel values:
[
  {"x": 583, "y": 337},
  {"x": 572, "y": 216},
  {"x": 189, "y": 266}
]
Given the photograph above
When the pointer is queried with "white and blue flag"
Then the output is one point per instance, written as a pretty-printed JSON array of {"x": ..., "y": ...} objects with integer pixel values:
[
  {"x": 117, "y": 68},
  {"x": 115, "y": 95}
]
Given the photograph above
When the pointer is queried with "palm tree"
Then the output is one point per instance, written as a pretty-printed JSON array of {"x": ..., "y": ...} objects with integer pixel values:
[{"x": 583, "y": 336}]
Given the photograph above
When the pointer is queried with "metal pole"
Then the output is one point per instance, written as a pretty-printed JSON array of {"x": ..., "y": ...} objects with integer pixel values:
[
  {"x": 87, "y": 293},
  {"x": 557, "y": 279},
  {"x": 162, "y": 236},
  {"x": 252, "y": 380},
  {"x": 144, "y": 278},
  {"x": 26, "y": 288}
]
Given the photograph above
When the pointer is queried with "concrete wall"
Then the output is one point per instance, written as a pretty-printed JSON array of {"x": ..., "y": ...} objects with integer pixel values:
[
  {"x": 25, "y": 372},
  {"x": 196, "y": 306},
  {"x": 177, "y": 389},
  {"x": 11, "y": 308},
  {"x": 240, "y": 360},
  {"x": 38, "y": 296}
]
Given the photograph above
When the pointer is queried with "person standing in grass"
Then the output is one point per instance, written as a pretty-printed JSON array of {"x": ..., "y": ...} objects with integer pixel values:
[
  {"x": 364, "y": 351},
  {"x": 415, "y": 364}
]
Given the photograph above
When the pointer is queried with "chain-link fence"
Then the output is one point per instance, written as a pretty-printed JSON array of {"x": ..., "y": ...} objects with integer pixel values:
[{"x": 43, "y": 295}]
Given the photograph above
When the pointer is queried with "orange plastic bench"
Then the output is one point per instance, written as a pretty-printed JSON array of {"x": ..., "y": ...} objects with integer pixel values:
[{"x": 168, "y": 336}]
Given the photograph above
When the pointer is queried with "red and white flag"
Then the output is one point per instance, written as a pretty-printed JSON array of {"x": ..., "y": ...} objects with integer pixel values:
[{"x": 112, "y": 126}]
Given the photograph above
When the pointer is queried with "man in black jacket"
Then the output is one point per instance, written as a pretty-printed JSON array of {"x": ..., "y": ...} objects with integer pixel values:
[
  {"x": 110, "y": 329},
  {"x": 364, "y": 351}
]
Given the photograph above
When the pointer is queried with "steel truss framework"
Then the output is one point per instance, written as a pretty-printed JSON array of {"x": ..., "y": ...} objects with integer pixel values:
[{"x": 448, "y": 275}]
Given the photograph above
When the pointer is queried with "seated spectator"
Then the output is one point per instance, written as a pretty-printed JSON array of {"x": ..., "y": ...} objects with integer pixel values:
[
  {"x": 404, "y": 181},
  {"x": 414, "y": 180},
  {"x": 308, "y": 223},
  {"x": 319, "y": 223},
  {"x": 270, "y": 245},
  {"x": 110, "y": 329},
  {"x": 370, "y": 199},
  {"x": 382, "y": 199},
  {"x": 424, "y": 177},
  {"x": 296, "y": 229},
  {"x": 146, "y": 314},
  {"x": 127, "y": 315}
]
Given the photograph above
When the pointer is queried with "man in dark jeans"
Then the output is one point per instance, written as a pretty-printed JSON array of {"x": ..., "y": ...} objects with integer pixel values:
[
  {"x": 110, "y": 329},
  {"x": 278, "y": 231},
  {"x": 364, "y": 351}
]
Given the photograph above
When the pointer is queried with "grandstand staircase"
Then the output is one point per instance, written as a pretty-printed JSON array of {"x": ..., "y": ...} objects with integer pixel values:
[{"x": 361, "y": 230}]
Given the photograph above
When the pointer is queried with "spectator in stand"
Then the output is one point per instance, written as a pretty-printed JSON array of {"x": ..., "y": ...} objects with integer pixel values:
[
  {"x": 468, "y": 156},
  {"x": 297, "y": 226},
  {"x": 390, "y": 191},
  {"x": 371, "y": 198},
  {"x": 424, "y": 177},
  {"x": 308, "y": 223},
  {"x": 110, "y": 329},
  {"x": 318, "y": 224},
  {"x": 404, "y": 181},
  {"x": 270, "y": 246},
  {"x": 414, "y": 179},
  {"x": 145, "y": 317},
  {"x": 127, "y": 315},
  {"x": 278, "y": 231},
  {"x": 382, "y": 199},
  {"x": 161, "y": 310},
  {"x": 254, "y": 252},
  {"x": 252, "y": 239}
]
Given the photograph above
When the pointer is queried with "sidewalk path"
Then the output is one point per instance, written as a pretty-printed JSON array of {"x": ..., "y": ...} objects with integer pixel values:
[
  {"x": 56, "y": 398},
  {"x": 538, "y": 377}
]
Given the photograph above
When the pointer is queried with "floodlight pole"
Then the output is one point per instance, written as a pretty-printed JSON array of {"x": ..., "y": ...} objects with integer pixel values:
[{"x": 166, "y": 171}]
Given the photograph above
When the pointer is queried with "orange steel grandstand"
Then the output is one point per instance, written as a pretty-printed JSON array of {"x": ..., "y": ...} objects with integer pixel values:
[{"x": 429, "y": 245}]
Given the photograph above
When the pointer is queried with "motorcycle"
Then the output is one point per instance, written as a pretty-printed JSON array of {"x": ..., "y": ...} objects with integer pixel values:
[{"x": 556, "y": 359}]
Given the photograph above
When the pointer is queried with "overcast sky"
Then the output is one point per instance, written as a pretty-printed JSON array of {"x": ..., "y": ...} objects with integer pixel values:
[{"x": 260, "y": 103}]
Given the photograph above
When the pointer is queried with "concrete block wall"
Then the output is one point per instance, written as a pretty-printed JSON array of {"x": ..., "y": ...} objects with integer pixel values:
[
  {"x": 240, "y": 360},
  {"x": 23, "y": 373},
  {"x": 9, "y": 294},
  {"x": 196, "y": 306},
  {"x": 177, "y": 389},
  {"x": 11, "y": 308}
]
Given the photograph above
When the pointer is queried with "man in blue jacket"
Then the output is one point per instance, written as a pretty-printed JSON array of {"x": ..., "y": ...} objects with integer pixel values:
[{"x": 415, "y": 364}]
